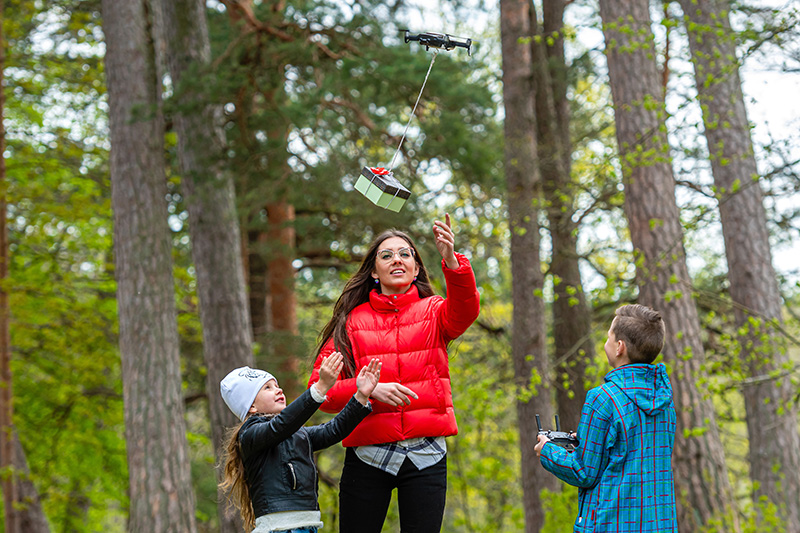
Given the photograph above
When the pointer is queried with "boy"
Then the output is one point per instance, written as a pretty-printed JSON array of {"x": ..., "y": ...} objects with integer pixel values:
[{"x": 623, "y": 466}]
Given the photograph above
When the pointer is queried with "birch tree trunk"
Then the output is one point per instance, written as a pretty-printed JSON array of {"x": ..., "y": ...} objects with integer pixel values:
[
  {"x": 702, "y": 488},
  {"x": 572, "y": 320},
  {"x": 531, "y": 364},
  {"x": 774, "y": 460},
  {"x": 161, "y": 496},
  {"x": 213, "y": 221}
]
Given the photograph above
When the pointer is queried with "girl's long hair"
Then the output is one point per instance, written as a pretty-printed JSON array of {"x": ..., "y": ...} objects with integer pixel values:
[
  {"x": 356, "y": 292},
  {"x": 235, "y": 482}
]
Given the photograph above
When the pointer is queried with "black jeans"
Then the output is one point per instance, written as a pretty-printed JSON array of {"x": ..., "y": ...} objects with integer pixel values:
[{"x": 365, "y": 492}]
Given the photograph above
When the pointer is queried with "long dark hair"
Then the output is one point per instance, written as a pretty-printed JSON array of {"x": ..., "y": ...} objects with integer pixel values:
[
  {"x": 234, "y": 481},
  {"x": 356, "y": 292}
]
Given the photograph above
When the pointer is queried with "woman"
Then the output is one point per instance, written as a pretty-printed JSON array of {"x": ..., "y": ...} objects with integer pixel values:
[{"x": 388, "y": 311}]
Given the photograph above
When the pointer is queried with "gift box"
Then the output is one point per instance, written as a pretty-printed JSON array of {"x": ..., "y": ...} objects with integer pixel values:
[{"x": 381, "y": 188}]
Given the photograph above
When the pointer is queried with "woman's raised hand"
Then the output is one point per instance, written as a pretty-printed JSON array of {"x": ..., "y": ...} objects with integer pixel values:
[
  {"x": 445, "y": 241},
  {"x": 329, "y": 371},
  {"x": 367, "y": 380}
]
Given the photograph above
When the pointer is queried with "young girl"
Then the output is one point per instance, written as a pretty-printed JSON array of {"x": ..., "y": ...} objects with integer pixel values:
[{"x": 269, "y": 464}]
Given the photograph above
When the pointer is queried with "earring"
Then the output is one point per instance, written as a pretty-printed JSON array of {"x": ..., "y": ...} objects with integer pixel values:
[
  {"x": 377, "y": 281},
  {"x": 415, "y": 278}
]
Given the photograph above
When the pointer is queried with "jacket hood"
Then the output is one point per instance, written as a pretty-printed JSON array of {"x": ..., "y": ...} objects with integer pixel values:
[{"x": 646, "y": 385}]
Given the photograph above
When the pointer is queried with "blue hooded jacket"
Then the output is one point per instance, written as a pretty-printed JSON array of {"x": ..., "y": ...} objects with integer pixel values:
[{"x": 623, "y": 464}]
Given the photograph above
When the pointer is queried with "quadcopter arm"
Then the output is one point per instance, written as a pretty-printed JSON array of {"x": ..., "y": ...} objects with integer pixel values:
[{"x": 439, "y": 40}]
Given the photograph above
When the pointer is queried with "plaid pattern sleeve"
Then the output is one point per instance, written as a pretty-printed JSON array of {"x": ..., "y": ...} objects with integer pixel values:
[
  {"x": 623, "y": 465},
  {"x": 582, "y": 467}
]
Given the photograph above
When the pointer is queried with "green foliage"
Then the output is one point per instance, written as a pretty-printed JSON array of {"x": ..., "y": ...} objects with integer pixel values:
[
  {"x": 561, "y": 509},
  {"x": 67, "y": 383},
  {"x": 305, "y": 109}
]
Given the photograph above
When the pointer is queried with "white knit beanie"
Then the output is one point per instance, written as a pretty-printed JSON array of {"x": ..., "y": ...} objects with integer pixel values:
[{"x": 240, "y": 388}]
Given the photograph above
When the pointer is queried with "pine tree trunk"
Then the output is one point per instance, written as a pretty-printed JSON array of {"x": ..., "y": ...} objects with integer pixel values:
[
  {"x": 572, "y": 320},
  {"x": 702, "y": 487},
  {"x": 213, "y": 220},
  {"x": 531, "y": 363},
  {"x": 273, "y": 244},
  {"x": 283, "y": 300},
  {"x": 774, "y": 461},
  {"x": 31, "y": 517},
  {"x": 161, "y": 496},
  {"x": 256, "y": 269},
  {"x": 10, "y": 484},
  {"x": 22, "y": 509}
]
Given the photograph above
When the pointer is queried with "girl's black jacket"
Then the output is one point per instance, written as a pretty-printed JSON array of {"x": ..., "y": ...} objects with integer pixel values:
[{"x": 277, "y": 452}]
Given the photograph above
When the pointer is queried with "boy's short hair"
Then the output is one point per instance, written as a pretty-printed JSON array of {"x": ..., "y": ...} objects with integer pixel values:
[{"x": 643, "y": 331}]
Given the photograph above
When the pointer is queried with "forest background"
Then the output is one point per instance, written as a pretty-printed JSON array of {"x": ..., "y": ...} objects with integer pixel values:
[{"x": 177, "y": 184}]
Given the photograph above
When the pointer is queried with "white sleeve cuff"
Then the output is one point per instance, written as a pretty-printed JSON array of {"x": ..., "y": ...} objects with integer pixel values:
[{"x": 319, "y": 398}]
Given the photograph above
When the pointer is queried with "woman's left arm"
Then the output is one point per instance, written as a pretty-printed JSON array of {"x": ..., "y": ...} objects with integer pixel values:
[{"x": 462, "y": 305}]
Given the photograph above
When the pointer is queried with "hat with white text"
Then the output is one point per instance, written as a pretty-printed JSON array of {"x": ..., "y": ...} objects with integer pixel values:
[{"x": 240, "y": 388}]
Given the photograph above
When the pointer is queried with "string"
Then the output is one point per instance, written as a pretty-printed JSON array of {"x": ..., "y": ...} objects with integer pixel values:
[{"x": 391, "y": 165}]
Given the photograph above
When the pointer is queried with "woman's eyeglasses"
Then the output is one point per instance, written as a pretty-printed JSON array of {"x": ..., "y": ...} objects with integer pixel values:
[{"x": 388, "y": 255}]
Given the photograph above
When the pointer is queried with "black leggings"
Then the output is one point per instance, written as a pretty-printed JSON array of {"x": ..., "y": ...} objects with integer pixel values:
[{"x": 365, "y": 492}]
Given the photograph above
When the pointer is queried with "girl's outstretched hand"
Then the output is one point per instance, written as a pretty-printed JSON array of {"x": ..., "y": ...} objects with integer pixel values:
[
  {"x": 445, "y": 241},
  {"x": 367, "y": 380},
  {"x": 329, "y": 371}
]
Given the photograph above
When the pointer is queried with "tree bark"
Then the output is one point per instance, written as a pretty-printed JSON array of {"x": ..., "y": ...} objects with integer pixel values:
[
  {"x": 10, "y": 484},
  {"x": 283, "y": 300},
  {"x": 255, "y": 242},
  {"x": 31, "y": 517},
  {"x": 161, "y": 496},
  {"x": 213, "y": 221},
  {"x": 532, "y": 370},
  {"x": 272, "y": 245},
  {"x": 572, "y": 319},
  {"x": 774, "y": 460},
  {"x": 703, "y": 490},
  {"x": 22, "y": 510}
]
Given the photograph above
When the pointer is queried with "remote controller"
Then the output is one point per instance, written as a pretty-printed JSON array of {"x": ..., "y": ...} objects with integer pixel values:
[{"x": 558, "y": 437}]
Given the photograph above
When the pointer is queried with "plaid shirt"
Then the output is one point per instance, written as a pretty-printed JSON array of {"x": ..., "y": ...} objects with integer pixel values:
[
  {"x": 623, "y": 465},
  {"x": 423, "y": 452}
]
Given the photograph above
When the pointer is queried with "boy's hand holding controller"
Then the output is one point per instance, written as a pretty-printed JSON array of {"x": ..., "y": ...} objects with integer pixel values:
[
  {"x": 568, "y": 441},
  {"x": 367, "y": 380}
]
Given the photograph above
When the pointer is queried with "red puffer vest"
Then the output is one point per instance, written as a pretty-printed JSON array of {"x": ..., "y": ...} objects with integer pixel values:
[{"x": 409, "y": 335}]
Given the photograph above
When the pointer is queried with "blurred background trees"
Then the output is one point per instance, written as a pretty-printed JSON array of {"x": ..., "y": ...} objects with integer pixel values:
[{"x": 636, "y": 165}]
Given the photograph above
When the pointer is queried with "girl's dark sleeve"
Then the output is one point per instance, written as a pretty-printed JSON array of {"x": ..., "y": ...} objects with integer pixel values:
[
  {"x": 342, "y": 390},
  {"x": 267, "y": 434},
  {"x": 342, "y": 424}
]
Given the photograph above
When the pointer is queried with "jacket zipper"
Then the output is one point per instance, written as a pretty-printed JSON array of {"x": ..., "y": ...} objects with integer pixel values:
[
  {"x": 294, "y": 478},
  {"x": 314, "y": 466}
]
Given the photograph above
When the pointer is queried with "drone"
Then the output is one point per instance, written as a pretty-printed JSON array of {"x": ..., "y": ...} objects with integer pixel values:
[
  {"x": 378, "y": 184},
  {"x": 439, "y": 40}
]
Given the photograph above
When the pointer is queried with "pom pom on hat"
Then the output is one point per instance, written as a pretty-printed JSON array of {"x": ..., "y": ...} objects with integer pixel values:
[{"x": 240, "y": 388}]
